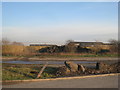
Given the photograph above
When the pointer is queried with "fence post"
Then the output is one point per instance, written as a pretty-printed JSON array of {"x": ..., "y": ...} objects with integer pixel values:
[{"x": 39, "y": 74}]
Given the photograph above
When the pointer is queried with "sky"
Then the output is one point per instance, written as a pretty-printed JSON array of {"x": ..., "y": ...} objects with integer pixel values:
[{"x": 57, "y": 22}]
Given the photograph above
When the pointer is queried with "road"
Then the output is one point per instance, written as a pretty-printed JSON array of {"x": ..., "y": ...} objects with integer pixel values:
[{"x": 93, "y": 82}]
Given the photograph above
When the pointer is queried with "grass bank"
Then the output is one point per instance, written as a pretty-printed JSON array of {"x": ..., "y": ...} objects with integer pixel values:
[
  {"x": 30, "y": 71},
  {"x": 23, "y": 72}
]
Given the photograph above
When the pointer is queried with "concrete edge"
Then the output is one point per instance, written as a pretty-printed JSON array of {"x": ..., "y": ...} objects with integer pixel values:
[{"x": 63, "y": 78}]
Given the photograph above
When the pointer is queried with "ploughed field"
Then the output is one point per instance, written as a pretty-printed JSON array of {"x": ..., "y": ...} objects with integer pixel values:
[{"x": 30, "y": 71}]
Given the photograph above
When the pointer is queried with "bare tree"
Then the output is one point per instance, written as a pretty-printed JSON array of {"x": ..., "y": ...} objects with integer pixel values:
[
  {"x": 17, "y": 43},
  {"x": 114, "y": 45},
  {"x": 70, "y": 46},
  {"x": 11, "y": 48},
  {"x": 5, "y": 41},
  {"x": 69, "y": 41}
]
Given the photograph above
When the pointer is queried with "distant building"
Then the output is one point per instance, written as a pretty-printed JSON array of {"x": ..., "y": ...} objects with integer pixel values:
[
  {"x": 85, "y": 44},
  {"x": 90, "y": 45}
]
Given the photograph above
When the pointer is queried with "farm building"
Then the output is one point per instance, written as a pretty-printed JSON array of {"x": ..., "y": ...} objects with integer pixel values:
[{"x": 90, "y": 45}]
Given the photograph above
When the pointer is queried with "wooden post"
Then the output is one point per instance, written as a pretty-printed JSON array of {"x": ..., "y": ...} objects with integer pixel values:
[
  {"x": 39, "y": 74},
  {"x": 97, "y": 65}
]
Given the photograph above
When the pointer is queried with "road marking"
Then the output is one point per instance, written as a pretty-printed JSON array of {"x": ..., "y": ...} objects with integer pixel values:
[{"x": 63, "y": 78}]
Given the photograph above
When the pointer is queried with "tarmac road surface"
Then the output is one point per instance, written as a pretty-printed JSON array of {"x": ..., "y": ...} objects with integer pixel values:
[{"x": 93, "y": 82}]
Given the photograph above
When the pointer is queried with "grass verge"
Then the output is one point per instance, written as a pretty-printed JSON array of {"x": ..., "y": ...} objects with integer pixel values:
[{"x": 22, "y": 72}]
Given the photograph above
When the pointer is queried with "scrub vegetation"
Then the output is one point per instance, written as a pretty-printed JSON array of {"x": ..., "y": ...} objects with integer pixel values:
[{"x": 17, "y": 49}]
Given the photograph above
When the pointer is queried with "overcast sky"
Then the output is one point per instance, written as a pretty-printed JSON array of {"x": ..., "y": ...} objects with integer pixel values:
[{"x": 56, "y": 22}]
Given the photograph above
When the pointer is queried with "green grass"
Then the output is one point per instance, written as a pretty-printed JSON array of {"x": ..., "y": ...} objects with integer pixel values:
[
  {"x": 22, "y": 72},
  {"x": 8, "y": 75},
  {"x": 76, "y": 56}
]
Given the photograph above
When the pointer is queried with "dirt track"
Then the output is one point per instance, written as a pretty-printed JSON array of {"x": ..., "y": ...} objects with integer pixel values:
[{"x": 80, "y": 58}]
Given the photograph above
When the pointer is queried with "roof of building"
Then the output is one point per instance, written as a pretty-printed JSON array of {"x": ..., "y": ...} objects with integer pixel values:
[{"x": 88, "y": 42}]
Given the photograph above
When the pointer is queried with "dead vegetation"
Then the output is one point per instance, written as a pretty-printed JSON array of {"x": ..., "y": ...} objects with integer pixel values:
[{"x": 101, "y": 68}]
